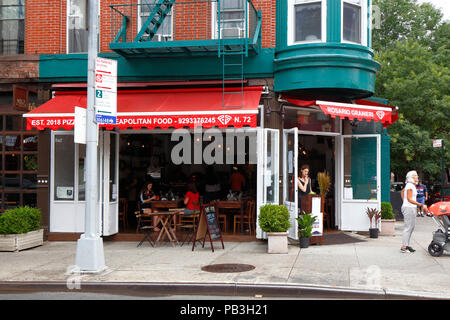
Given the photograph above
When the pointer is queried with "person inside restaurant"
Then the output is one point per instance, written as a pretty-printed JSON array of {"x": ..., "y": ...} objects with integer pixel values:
[
  {"x": 304, "y": 185},
  {"x": 146, "y": 197},
  {"x": 191, "y": 199},
  {"x": 237, "y": 180}
]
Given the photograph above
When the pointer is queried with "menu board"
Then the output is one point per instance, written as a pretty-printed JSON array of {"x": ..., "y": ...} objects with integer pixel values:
[
  {"x": 208, "y": 226},
  {"x": 213, "y": 226}
]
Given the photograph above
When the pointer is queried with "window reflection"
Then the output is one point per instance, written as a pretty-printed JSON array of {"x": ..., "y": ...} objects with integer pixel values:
[{"x": 308, "y": 22}]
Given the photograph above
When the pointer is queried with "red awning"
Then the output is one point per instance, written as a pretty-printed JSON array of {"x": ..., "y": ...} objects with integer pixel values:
[
  {"x": 174, "y": 108},
  {"x": 361, "y": 110}
]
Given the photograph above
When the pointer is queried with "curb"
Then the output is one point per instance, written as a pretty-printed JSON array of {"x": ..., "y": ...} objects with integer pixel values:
[{"x": 155, "y": 289}]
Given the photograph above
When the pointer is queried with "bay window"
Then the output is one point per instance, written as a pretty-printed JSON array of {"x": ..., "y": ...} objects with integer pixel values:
[
  {"x": 354, "y": 21},
  {"x": 306, "y": 21}
]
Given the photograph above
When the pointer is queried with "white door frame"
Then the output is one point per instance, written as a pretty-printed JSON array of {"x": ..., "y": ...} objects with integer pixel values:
[
  {"x": 291, "y": 206},
  {"x": 264, "y": 176},
  {"x": 110, "y": 208},
  {"x": 352, "y": 212}
]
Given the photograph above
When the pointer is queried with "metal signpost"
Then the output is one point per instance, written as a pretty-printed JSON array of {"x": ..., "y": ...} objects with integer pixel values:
[
  {"x": 439, "y": 143},
  {"x": 90, "y": 255}
]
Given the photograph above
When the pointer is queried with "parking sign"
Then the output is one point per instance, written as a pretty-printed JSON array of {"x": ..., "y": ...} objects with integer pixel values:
[{"x": 105, "y": 90}]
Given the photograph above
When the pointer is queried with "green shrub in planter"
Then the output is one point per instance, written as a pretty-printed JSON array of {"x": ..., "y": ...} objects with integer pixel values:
[
  {"x": 386, "y": 211},
  {"x": 274, "y": 218},
  {"x": 20, "y": 220}
]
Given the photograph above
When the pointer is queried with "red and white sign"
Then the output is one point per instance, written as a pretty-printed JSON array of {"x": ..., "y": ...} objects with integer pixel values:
[
  {"x": 360, "y": 112},
  {"x": 437, "y": 143}
]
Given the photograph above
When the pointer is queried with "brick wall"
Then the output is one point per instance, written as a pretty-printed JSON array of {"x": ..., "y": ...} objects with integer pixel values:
[
  {"x": 46, "y": 24},
  {"x": 19, "y": 67}
]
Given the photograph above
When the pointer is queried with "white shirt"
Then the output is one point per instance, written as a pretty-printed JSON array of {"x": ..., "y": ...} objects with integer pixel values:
[{"x": 406, "y": 203}]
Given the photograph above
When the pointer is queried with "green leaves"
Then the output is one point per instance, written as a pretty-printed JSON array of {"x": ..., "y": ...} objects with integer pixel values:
[
  {"x": 413, "y": 47},
  {"x": 274, "y": 218},
  {"x": 20, "y": 220},
  {"x": 305, "y": 225}
]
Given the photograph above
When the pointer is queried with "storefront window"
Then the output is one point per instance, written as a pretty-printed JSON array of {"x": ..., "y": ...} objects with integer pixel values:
[
  {"x": 13, "y": 123},
  {"x": 30, "y": 199},
  {"x": 360, "y": 168},
  {"x": 12, "y": 143},
  {"x": 12, "y": 181},
  {"x": 12, "y": 162},
  {"x": 29, "y": 181},
  {"x": 309, "y": 120},
  {"x": 113, "y": 191},
  {"x": 81, "y": 172},
  {"x": 30, "y": 162},
  {"x": 12, "y": 200},
  {"x": 30, "y": 143},
  {"x": 64, "y": 167}
]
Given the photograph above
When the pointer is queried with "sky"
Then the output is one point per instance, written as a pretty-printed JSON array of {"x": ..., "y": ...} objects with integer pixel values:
[{"x": 444, "y": 5}]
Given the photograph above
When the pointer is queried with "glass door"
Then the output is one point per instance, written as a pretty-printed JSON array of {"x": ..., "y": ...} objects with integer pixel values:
[
  {"x": 290, "y": 174},
  {"x": 360, "y": 180},
  {"x": 268, "y": 171},
  {"x": 110, "y": 184}
]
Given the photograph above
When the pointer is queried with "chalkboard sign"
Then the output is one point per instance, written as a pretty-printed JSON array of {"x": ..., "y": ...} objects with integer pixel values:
[{"x": 208, "y": 226}]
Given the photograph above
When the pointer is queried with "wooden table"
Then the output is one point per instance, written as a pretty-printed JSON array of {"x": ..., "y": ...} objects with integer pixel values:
[
  {"x": 166, "y": 218},
  {"x": 233, "y": 205},
  {"x": 166, "y": 205}
]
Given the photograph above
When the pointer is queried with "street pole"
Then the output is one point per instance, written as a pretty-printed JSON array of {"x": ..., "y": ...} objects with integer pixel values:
[
  {"x": 443, "y": 169},
  {"x": 90, "y": 255}
]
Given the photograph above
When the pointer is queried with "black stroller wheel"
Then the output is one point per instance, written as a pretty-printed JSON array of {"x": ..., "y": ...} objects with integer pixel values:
[{"x": 435, "y": 249}]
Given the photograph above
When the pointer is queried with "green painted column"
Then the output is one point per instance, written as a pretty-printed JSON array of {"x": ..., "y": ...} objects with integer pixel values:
[
  {"x": 385, "y": 168},
  {"x": 333, "y": 21}
]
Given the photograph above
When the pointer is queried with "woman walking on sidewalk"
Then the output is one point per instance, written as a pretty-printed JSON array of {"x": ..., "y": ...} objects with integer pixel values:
[{"x": 409, "y": 209}]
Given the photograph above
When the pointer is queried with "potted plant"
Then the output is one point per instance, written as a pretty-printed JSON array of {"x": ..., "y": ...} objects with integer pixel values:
[
  {"x": 20, "y": 228},
  {"x": 274, "y": 219},
  {"x": 374, "y": 215},
  {"x": 305, "y": 225},
  {"x": 387, "y": 220},
  {"x": 323, "y": 178}
]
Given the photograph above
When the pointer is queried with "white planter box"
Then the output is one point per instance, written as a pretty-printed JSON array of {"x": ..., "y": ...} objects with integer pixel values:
[
  {"x": 277, "y": 242},
  {"x": 387, "y": 227},
  {"x": 17, "y": 242}
]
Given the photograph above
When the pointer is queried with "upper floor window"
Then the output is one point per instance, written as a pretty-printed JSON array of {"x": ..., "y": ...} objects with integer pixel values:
[
  {"x": 232, "y": 23},
  {"x": 77, "y": 21},
  {"x": 306, "y": 21},
  {"x": 165, "y": 30},
  {"x": 12, "y": 26},
  {"x": 353, "y": 21}
]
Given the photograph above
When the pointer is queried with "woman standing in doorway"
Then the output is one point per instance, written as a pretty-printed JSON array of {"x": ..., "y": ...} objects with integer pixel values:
[
  {"x": 304, "y": 185},
  {"x": 409, "y": 209}
]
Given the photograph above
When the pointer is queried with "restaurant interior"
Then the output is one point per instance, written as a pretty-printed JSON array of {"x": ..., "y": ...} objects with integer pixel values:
[{"x": 147, "y": 157}]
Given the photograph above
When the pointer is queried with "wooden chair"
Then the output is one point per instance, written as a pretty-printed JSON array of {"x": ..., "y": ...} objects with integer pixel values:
[
  {"x": 123, "y": 211},
  {"x": 188, "y": 223},
  {"x": 142, "y": 219},
  {"x": 221, "y": 217},
  {"x": 148, "y": 229},
  {"x": 247, "y": 219}
]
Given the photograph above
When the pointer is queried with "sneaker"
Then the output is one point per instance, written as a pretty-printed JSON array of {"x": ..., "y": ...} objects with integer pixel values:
[
  {"x": 404, "y": 250},
  {"x": 410, "y": 249}
]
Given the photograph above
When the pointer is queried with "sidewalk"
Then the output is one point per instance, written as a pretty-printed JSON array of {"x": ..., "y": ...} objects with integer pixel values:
[{"x": 374, "y": 267}]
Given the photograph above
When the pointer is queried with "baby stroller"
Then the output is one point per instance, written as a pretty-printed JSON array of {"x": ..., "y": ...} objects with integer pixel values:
[{"x": 441, "y": 237}]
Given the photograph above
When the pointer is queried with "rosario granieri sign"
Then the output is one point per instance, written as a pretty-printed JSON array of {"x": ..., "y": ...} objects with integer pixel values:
[{"x": 359, "y": 112}]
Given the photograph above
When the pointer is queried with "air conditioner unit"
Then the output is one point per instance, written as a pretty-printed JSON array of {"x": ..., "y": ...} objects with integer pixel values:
[
  {"x": 232, "y": 33},
  {"x": 161, "y": 37}
]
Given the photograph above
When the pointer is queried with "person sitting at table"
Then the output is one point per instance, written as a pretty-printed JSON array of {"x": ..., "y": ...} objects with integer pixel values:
[
  {"x": 146, "y": 197},
  {"x": 191, "y": 199}
]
